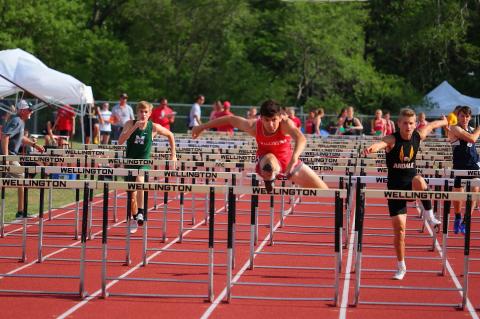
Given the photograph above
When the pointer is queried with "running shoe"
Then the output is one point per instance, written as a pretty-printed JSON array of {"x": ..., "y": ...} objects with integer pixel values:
[
  {"x": 456, "y": 225},
  {"x": 400, "y": 274},
  {"x": 434, "y": 222},
  {"x": 139, "y": 217},
  {"x": 133, "y": 226},
  {"x": 462, "y": 227}
]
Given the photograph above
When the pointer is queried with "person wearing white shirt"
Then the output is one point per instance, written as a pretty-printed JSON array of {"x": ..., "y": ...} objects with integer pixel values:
[
  {"x": 196, "y": 112},
  {"x": 121, "y": 114},
  {"x": 105, "y": 123}
]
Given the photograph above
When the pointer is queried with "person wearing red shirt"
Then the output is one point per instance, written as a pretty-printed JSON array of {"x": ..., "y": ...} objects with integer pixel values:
[
  {"x": 163, "y": 115},
  {"x": 291, "y": 115},
  {"x": 225, "y": 112},
  {"x": 275, "y": 156},
  {"x": 65, "y": 122},
  {"x": 310, "y": 123},
  {"x": 422, "y": 122}
]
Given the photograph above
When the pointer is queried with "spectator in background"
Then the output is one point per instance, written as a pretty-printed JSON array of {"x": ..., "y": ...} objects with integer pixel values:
[
  {"x": 196, "y": 112},
  {"x": 105, "y": 125},
  {"x": 340, "y": 119},
  {"x": 379, "y": 124},
  {"x": 390, "y": 125},
  {"x": 217, "y": 108},
  {"x": 12, "y": 139},
  {"x": 291, "y": 115},
  {"x": 226, "y": 112},
  {"x": 90, "y": 124},
  {"x": 422, "y": 122},
  {"x": 351, "y": 125},
  {"x": 121, "y": 114},
  {"x": 64, "y": 124},
  {"x": 318, "y": 120},
  {"x": 50, "y": 139},
  {"x": 5, "y": 115},
  {"x": 310, "y": 123},
  {"x": 252, "y": 114},
  {"x": 163, "y": 114}
]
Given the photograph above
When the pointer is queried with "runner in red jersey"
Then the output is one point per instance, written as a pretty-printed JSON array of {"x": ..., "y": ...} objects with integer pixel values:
[
  {"x": 422, "y": 122},
  {"x": 390, "y": 126},
  {"x": 225, "y": 112},
  {"x": 163, "y": 114},
  {"x": 274, "y": 153},
  {"x": 379, "y": 124}
]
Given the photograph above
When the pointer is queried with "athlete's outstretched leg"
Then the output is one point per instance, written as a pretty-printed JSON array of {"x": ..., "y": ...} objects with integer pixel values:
[
  {"x": 399, "y": 223},
  {"x": 305, "y": 177},
  {"x": 419, "y": 184},
  {"x": 268, "y": 169}
]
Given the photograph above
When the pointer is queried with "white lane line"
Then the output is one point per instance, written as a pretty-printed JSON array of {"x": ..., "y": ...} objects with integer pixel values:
[
  {"x": 222, "y": 295},
  {"x": 125, "y": 274},
  {"x": 469, "y": 305},
  {"x": 348, "y": 270},
  {"x": 53, "y": 217},
  {"x": 46, "y": 256}
]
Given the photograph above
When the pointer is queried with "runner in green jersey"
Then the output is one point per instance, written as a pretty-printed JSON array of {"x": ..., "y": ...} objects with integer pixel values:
[{"x": 139, "y": 135}]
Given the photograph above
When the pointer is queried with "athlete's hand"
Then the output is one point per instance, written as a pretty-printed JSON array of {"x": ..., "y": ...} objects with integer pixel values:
[
  {"x": 173, "y": 161},
  {"x": 140, "y": 124},
  {"x": 368, "y": 150},
  {"x": 289, "y": 168},
  {"x": 197, "y": 130}
]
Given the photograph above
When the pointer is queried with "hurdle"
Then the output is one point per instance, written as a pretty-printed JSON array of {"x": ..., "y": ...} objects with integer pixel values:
[
  {"x": 408, "y": 195},
  {"x": 339, "y": 195},
  {"x": 45, "y": 183},
  {"x": 209, "y": 189}
]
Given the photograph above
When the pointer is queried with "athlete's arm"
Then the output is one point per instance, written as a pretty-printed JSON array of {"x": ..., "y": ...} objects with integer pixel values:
[
  {"x": 358, "y": 125},
  {"x": 463, "y": 135},
  {"x": 372, "y": 126},
  {"x": 386, "y": 142},
  {"x": 247, "y": 126},
  {"x": 128, "y": 130},
  {"x": 427, "y": 129},
  {"x": 160, "y": 130},
  {"x": 287, "y": 127}
]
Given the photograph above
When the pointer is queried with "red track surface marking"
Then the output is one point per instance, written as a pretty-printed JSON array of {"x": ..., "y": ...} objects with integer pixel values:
[
  {"x": 46, "y": 256},
  {"x": 469, "y": 306},
  {"x": 130, "y": 271},
  {"x": 235, "y": 278}
]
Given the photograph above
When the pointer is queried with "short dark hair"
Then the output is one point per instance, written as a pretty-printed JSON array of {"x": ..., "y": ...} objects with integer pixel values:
[
  {"x": 269, "y": 108},
  {"x": 466, "y": 110}
]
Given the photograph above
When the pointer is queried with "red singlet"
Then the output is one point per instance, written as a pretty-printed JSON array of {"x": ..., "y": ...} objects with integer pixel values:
[
  {"x": 378, "y": 125},
  {"x": 421, "y": 124},
  {"x": 278, "y": 144},
  {"x": 390, "y": 126}
]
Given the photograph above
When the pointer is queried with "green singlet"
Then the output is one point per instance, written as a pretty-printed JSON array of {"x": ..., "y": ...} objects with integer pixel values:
[{"x": 139, "y": 145}]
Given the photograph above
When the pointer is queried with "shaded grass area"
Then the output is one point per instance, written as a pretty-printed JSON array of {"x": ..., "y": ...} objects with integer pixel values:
[{"x": 60, "y": 197}]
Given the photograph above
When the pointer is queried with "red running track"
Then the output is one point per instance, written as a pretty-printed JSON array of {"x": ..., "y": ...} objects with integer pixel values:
[{"x": 305, "y": 213}]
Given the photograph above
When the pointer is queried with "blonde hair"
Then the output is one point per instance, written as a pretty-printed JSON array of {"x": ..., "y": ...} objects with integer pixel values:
[
  {"x": 407, "y": 112},
  {"x": 144, "y": 105}
]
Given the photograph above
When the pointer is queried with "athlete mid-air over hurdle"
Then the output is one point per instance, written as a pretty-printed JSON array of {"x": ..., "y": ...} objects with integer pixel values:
[
  {"x": 401, "y": 150},
  {"x": 273, "y": 134}
]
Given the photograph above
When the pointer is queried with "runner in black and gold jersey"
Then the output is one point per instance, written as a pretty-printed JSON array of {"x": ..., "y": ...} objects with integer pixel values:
[
  {"x": 401, "y": 151},
  {"x": 139, "y": 135}
]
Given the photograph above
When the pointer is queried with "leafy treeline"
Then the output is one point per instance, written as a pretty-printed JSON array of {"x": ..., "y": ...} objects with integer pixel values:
[{"x": 370, "y": 54}]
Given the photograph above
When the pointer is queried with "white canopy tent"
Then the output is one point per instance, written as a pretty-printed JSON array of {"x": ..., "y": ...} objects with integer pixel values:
[
  {"x": 444, "y": 98},
  {"x": 22, "y": 72}
]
